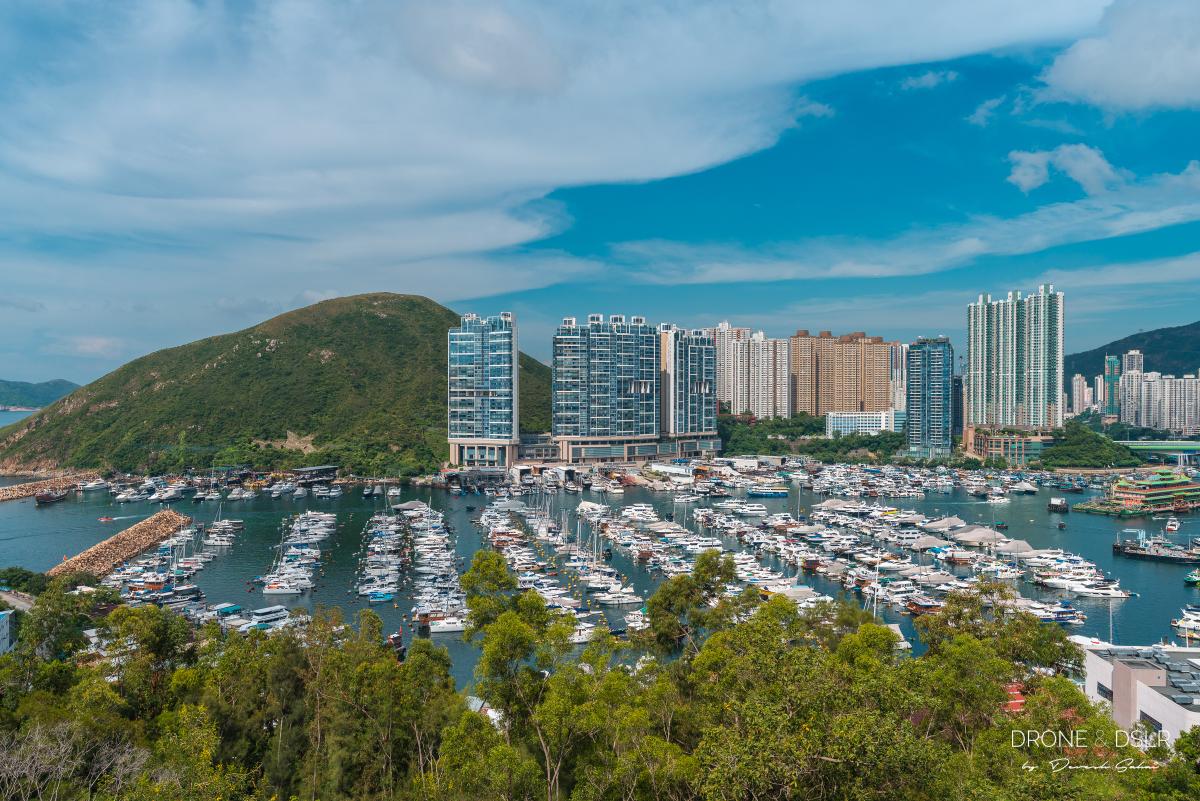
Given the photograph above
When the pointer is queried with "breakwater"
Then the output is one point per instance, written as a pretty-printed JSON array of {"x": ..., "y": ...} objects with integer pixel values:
[
  {"x": 31, "y": 488},
  {"x": 101, "y": 558}
]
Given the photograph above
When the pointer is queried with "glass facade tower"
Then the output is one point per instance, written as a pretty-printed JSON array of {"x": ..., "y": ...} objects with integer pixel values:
[
  {"x": 482, "y": 391},
  {"x": 929, "y": 399}
]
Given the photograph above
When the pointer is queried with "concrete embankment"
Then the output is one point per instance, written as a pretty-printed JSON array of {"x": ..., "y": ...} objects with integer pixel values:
[
  {"x": 101, "y": 558},
  {"x": 31, "y": 488}
]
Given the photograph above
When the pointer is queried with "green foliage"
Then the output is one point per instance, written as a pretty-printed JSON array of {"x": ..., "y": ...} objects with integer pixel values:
[
  {"x": 23, "y": 393},
  {"x": 741, "y": 435},
  {"x": 363, "y": 376},
  {"x": 747, "y": 700},
  {"x": 1075, "y": 445}
]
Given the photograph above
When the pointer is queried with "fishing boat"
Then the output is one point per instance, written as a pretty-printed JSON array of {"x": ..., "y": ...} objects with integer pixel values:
[{"x": 47, "y": 498}]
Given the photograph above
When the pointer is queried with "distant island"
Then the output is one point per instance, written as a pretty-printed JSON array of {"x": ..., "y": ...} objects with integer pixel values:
[{"x": 23, "y": 396}]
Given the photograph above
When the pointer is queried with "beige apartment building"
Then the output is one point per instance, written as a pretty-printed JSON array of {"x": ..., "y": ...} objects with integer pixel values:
[{"x": 848, "y": 373}]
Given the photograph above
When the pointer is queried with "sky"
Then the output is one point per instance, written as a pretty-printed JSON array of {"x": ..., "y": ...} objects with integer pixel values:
[{"x": 175, "y": 169}]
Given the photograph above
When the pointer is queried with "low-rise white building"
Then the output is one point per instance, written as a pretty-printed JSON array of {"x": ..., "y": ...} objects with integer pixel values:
[
  {"x": 1158, "y": 685},
  {"x": 843, "y": 423}
]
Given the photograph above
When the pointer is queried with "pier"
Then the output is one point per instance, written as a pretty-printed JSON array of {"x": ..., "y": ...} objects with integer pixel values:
[
  {"x": 101, "y": 558},
  {"x": 27, "y": 490}
]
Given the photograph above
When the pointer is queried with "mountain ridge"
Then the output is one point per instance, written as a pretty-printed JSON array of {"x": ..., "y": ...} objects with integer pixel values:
[
  {"x": 360, "y": 380},
  {"x": 34, "y": 394},
  {"x": 1173, "y": 350}
]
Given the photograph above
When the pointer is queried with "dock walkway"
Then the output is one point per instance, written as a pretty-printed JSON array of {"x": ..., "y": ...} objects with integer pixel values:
[{"x": 101, "y": 558}]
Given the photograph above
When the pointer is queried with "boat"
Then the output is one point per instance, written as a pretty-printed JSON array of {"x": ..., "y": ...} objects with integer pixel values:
[
  {"x": 98, "y": 484},
  {"x": 1192, "y": 579},
  {"x": 1156, "y": 549},
  {"x": 105, "y": 519},
  {"x": 47, "y": 498},
  {"x": 1172, "y": 524},
  {"x": 1059, "y": 505}
]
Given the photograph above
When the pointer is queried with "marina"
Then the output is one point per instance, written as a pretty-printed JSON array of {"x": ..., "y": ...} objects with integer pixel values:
[{"x": 892, "y": 541}]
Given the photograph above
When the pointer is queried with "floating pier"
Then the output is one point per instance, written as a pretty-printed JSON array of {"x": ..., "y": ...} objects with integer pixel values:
[
  {"x": 101, "y": 558},
  {"x": 27, "y": 490}
]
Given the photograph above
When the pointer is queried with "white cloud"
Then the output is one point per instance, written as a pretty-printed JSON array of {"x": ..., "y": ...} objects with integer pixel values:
[
  {"x": 201, "y": 149},
  {"x": 982, "y": 115},
  {"x": 1129, "y": 207},
  {"x": 1146, "y": 55},
  {"x": 928, "y": 80},
  {"x": 87, "y": 346},
  {"x": 1084, "y": 165}
]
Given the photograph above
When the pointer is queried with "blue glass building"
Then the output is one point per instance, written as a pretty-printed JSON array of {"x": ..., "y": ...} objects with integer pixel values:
[
  {"x": 482, "y": 378},
  {"x": 929, "y": 399}
]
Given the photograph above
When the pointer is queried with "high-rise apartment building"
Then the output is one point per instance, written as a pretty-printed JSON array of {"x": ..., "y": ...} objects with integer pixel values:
[
  {"x": 605, "y": 388},
  {"x": 482, "y": 377},
  {"x": 725, "y": 338},
  {"x": 1112, "y": 385},
  {"x": 688, "y": 370},
  {"x": 1163, "y": 402},
  {"x": 1132, "y": 362},
  {"x": 929, "y": 413},
  {"x": 762, "y": 377},
  {"x": 850, "y": 373},
  {"x": 1080, "y": 394},
  {"x": 1014, "y": 360},
  {"x": 897, "y": 373}
]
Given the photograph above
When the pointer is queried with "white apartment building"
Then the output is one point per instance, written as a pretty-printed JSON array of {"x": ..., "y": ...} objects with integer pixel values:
[
  {"x": 1015, "y": 360},
  {"x": 1163, "y": 402},
  {"x": 761, "y": 377},
  {"x": 725, "y": 338}
]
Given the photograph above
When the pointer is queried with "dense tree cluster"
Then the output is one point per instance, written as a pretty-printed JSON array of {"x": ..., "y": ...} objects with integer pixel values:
[
  {"x": 723, "y": 697},
  {"x": 1076, "y": 445}
]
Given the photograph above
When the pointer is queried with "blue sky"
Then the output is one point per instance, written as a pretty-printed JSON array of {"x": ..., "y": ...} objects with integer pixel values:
[{"x": 172, "y": 170}]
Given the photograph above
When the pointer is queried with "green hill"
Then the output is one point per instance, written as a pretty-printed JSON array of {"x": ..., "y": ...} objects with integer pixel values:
[
  {"x": 1170, "y": 351},
  {"x": 23, "y": 393},
  {"x": 357, "y": 381}
]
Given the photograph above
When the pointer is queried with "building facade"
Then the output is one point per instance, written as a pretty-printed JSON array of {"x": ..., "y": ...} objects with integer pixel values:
[
  {"x": 1162, "y": 402},
  {"x": 898, "y": 374},
  {"x": 849, "y": 373},
  {"x": 1112, "y": 386},
  {"x": 1012, "y": 448},
  {"x": 1143, "y": 685},
  {"x": 1133, "y": 362},
  {"x": 688, "y": 379},
  {"x": 762, "y": 377},
  {"x": 1015, "y": 360},
  {"x": 839, "y": 424},
  {"x": 1081, "y": 394},
  {"x": 483, "y": 391},
  {"x": 605, "y": 388},
  {"x": 725, "y": 338},
  {"x": 929, "y": 413}
]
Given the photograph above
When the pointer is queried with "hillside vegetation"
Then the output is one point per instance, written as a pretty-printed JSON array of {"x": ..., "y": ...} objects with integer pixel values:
[
  {"x": 357, "y": 381},
  {"x": 1170, "y": 351},
  {"x": 23, "y": 393},
  {"x": 1076, "y": 445}
]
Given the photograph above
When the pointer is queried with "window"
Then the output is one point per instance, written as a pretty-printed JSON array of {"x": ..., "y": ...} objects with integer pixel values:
[
  {"x": 1104, "y": 692},
  {"x": 1149, "y": 721}
]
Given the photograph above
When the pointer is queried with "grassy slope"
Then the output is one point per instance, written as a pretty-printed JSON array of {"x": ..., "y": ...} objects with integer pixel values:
[
  {"x": 1170, "y": 351},
  {"x": 364, "y": 376},
  {"x": 23, "y": 393}
]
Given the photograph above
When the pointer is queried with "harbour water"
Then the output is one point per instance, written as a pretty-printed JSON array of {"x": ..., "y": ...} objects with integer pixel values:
[
  {"x": 39, "y": 537},
  {"x": 9, "y": 417}
]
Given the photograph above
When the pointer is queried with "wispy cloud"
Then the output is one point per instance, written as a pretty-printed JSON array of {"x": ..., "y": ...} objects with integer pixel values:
[
  {"x": 1084, "y": 165},
  {"x": 928, "y": 80},
  {"x": 1128, "y": 207},
  {"x": 87, "y": 346},
  {"x": 982, "y": 115}
]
